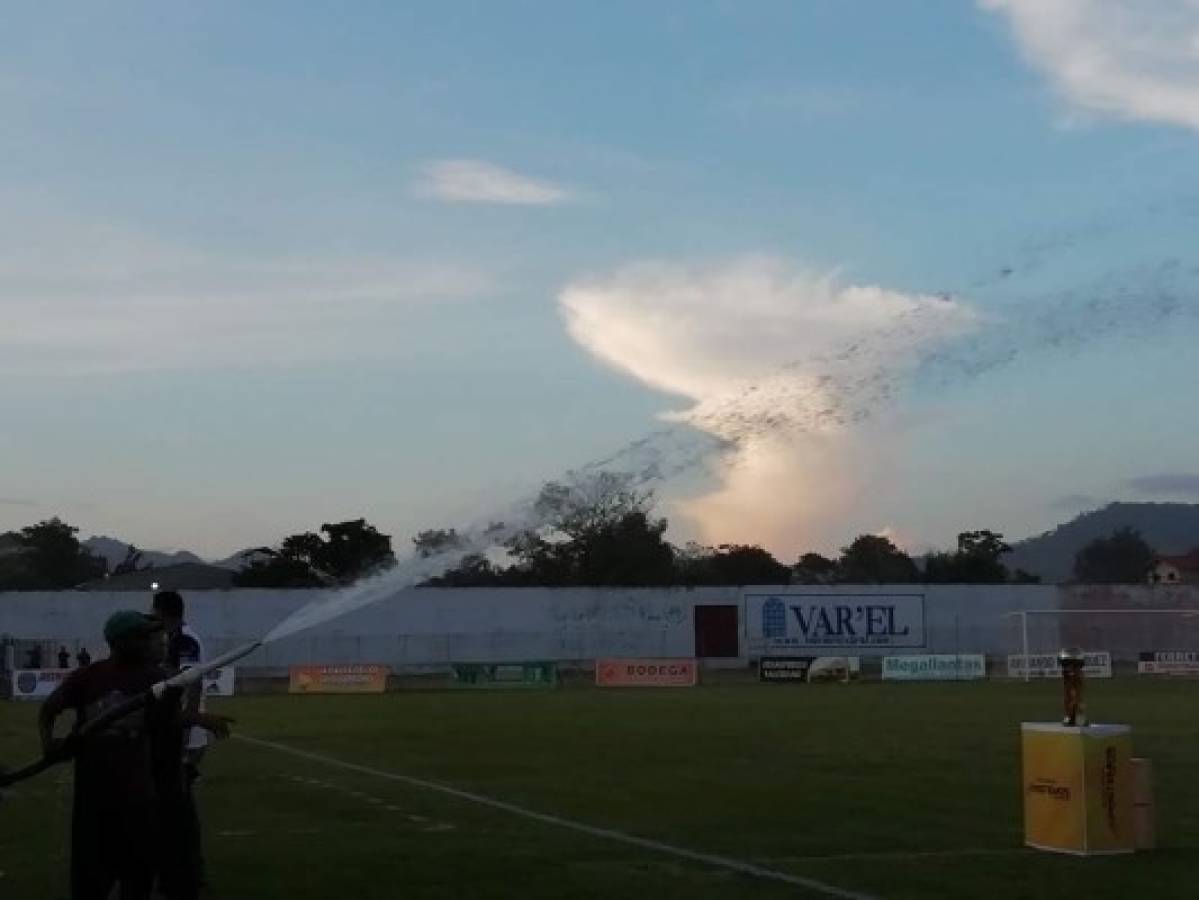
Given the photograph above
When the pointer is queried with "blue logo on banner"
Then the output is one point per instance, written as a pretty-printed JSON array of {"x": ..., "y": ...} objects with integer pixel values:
[{"x": 774, "y": 618}]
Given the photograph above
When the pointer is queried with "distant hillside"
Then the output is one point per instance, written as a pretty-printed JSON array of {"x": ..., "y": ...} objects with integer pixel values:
[
  {"x": 240, "y": 559},
  {"x": 1167, "y": 527},
  {"x": 114, "y": 551}
]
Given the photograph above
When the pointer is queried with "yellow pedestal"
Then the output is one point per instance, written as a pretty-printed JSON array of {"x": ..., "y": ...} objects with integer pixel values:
[
  {"x": 1143, "y": 830},
  {"x": 1078, "y": 788}
]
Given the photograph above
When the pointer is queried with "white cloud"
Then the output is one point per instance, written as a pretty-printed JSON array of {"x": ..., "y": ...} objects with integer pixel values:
[
  {"x": 792, "y": 368},
  {"x": 475, "y": 181},
  {"x": 1131, "y": 59},
  {"x": 81, "y": 298}
]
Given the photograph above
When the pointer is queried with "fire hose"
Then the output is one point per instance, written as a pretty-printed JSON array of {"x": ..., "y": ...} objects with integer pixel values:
[{"x": 69, "y": 746}]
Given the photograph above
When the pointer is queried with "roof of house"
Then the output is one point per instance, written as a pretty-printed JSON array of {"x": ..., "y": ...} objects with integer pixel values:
[
  {"x": 181, "y": 577},
  {"x": 1186, "y": 561}
]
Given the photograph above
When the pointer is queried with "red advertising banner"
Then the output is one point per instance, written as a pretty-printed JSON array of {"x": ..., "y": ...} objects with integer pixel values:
[
  {"x": 347, "y": 679},
  {"x": 646, "y": 672}
]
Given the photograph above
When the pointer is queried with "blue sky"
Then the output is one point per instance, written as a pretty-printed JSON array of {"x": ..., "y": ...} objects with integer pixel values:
[{"x": 269, "y": 265}]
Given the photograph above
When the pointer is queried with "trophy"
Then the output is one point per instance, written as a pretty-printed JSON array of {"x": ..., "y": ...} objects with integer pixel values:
[{"x": 1072, "y": 661}]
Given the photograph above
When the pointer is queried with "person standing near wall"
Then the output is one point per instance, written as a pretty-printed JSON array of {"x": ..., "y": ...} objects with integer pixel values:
[
  {"x": 184, "y": 649},
  {"x": 64, "y": 658}
]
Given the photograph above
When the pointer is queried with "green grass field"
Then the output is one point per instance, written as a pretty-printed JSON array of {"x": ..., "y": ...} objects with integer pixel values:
[{"x": 892, "y": 791}]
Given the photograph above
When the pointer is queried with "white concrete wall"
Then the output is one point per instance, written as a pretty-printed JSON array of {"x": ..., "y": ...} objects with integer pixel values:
[
  {"x": 430, "y": 626},
  {"x": 420, "y": 626},
  {"x": 1126, "y": 635}
]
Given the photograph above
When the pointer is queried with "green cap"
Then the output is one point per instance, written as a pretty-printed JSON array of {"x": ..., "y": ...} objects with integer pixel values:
[{"x": 128, "y": 622}]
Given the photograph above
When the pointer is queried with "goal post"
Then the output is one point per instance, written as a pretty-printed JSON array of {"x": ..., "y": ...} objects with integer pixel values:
[{"x": 1122, "y": 637}]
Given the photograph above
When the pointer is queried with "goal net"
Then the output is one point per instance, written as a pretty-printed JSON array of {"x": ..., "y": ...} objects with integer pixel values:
[{"x": 1117, "y": 642}]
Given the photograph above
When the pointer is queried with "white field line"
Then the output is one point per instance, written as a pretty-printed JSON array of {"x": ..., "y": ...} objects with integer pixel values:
[
  {"x": 707, "y": 859},
  {"x": 900, "y": 855},
  {"x": 429, "y": 824}
]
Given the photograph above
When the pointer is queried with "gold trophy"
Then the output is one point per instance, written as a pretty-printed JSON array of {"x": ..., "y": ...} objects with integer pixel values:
[{"x": 1072, "y": 661}]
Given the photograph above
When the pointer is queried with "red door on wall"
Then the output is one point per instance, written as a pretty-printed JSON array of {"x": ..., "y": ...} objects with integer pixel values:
[{"x": 716, "y": 632}]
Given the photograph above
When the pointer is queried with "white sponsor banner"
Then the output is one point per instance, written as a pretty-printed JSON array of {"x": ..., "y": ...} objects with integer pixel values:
[
  {"x": 1170, "y": 662},
  {"x": 36, "y": 684},
  {"x": 938, "y": 667},
  {"x": 220, "y": 682},
  {"x": 783, "y": 621},
  {"x": 1045, "y": 665}
]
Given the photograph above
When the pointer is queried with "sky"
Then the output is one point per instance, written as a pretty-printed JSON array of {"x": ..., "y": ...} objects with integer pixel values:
[{"x": 916, "y": 266}]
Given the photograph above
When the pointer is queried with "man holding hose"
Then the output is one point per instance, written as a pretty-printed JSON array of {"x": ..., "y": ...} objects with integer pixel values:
[{"x": 116, "y": 809}]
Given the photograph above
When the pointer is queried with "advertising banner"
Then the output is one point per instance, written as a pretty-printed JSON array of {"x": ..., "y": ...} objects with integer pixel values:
[
  {"x": 219, "y": 683},
  {"x": 1170, "y": 662},
  {"x": 808, "y": 669},
  {"x": 781, "y": 621},
  {"x": 36, "y": 684},
  {"x": 1045, "y": 665},
  {"x": 504, "y": 675},
  {"x": 646, "y": 672},
  {"x": 346, "y": 679},
  {"x": 937, "y": 667}
]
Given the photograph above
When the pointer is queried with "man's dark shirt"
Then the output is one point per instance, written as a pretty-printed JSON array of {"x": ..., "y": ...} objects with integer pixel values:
[{"x": 113, "y": 767}]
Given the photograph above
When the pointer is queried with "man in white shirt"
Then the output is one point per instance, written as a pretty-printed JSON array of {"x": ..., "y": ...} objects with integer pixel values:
[
  {"x": 197, "y": 738},
  {"x": 184, "y": 650}
]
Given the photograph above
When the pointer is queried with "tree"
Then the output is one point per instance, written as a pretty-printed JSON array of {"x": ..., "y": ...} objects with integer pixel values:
[
  {"x": 593, "y": 529},
  {"x": 585, "y": 504},
  {"x": 436, "y": 540},
  {"x": 813, "y": 568},
  {"x": 49, "y": 557},
  {"x": 976, "y": 561},
  {"x": 347, "y": 552},
  {"x": 475, "y": 570},
  {"x": 732, "y": 564},
  {"x": 984, "y": 544},
  {"x": 276, "y": 571},
  {"x": 1122, "y": 558},
  {"x": 353, "y": 550},
  {"x": 538, "y": 561},
  {"x": 874, "y": 559},
  {"x": 628, "y": 551},
  {"x": 689, "y": 562}
]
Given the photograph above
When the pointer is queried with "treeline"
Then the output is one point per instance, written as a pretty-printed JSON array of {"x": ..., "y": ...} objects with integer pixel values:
[
  {"x": 46, "y": 557},
  {"x": 340, "y": 554},
  {"x": 594, "y": 531},
  {"x": 600, "y": 531}
]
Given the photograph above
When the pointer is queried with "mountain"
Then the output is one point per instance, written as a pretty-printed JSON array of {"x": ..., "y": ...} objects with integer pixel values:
[
  {"x": 240, "y": 559},
  {"x": 114, "y": 551},
  {"x": 1168, "y": 528}
]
